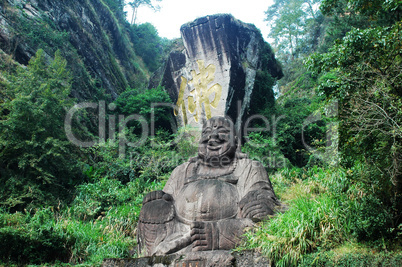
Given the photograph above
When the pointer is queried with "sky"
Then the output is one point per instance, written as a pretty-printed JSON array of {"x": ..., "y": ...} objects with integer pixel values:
[{"x": 174, "y": 13}]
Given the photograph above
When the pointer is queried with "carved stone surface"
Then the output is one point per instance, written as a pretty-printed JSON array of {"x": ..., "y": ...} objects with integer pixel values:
[
  {"x": 208, "y": 201},
  {"x": 217, "y": 68},
  {"x": 195, "y": 259}
]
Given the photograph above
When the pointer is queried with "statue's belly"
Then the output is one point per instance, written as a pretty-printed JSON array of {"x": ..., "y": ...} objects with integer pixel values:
[{"x": 207, "y": 200}]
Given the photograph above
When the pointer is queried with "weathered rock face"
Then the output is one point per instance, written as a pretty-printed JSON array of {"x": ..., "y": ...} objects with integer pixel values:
[
  {"x": 90, "y": 36},
  {"x": 217, "y": 69},
  {"x": 205, "y": 259}
]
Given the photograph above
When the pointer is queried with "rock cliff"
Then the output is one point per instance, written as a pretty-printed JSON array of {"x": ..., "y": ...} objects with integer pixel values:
[
  {"x": 91, "y": 36},
  {"x": 224, "y": 62}
]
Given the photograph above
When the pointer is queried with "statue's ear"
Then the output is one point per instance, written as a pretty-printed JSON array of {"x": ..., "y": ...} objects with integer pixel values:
[
  {"x": 237, "y": 144},
  {"x": 239, "y": 154},
  {"x": 236, "y": 141}
]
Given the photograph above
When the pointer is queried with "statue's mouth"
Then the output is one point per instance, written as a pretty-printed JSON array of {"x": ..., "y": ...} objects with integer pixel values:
[{"x": 214, "y": 145}]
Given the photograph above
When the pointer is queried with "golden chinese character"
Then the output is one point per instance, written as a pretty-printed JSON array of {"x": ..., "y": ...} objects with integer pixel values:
[{"x": 200, "y": 93}]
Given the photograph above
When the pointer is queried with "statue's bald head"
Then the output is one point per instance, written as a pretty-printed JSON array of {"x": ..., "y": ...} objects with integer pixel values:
[{"x": 218, "y": 139}]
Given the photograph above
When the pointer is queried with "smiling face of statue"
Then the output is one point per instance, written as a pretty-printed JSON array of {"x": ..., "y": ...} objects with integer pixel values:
[{"x": 218, "y": 143}]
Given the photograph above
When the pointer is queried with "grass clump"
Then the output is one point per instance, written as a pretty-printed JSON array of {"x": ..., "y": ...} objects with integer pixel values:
[
  {"x": 100, "y": 223},
  {"x": 308, "y": 224},
  {"x": 352, "y": 258},
  {"x": 331, "y": 221}
]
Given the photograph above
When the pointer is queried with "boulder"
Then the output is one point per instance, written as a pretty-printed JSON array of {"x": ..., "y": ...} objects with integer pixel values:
[{"x": 217, "y": 71}]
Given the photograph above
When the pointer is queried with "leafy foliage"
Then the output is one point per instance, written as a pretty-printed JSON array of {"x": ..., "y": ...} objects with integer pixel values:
[
  {"x": 293, "y": 134},
  {"x": 148, "y": 45},
  {"x": 32, "y": 239},
  {"x": 352, "y": 258},
  {"x": 263, "y": 149},
  {"x": 149, "y": 160},
  {"x": 357, "y": 63},
  {"x": 101, "y": 220},
  {"x": 357, "y": 204},
  {"x": 35, "y": 162},
  {"x": 364, "y": 74},
  {"x": 325, "y": 212},
  {"x": 74, "y": 235},
  {"x": 382, "y": 12},
  {"x": 145, "y": 103},
  {"x": 290, "y": 22},
  {"x": 314, "y": 218}
]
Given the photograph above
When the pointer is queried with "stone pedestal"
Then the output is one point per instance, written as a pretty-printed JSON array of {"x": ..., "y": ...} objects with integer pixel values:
[{"x": 218, "y": 258}]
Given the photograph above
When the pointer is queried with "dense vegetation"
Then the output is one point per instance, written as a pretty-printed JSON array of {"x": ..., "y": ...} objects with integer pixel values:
[
  {"x": 334, "y": 157},
  {"x": 344, "y": 210}
]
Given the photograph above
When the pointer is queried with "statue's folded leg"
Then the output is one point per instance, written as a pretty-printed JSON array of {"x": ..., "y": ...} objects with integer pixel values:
[
  {"x": 159, "y": 232},
  {"x": 156, "y": 219},
  {"x": 221, "y": 235}
]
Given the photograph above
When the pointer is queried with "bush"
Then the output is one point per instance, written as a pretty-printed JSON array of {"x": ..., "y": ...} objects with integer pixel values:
[
  {"x": 38, "y": 165},
  {"x": 135, "y": 101},
  {"x": 32, "y": 238},
  {"x": 151, "y": 159},
  {"x": 306, "y": 226},
  {"x": 351, "y": 259},
  {"x": 76, "y": 234},
  {"x": 148, "y": 45},
  {"x": 261, "y": 148}
]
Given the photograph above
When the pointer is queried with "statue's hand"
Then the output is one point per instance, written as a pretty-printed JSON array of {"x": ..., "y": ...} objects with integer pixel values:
[
  {"x": 165, "y": 248},
  {"x": 154, "y": 195},
  {"x": 258, "y": 204},
  {"x": 202, "y": 234}
]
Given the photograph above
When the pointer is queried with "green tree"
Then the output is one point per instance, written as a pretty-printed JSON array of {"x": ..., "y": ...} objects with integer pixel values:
[
  {"x": 297, "y": 28},
  {"x": 36, "y": 162},
  {"x": 375, "y": 12},
  {"x": 289, "y": 21},
  {"x": 148, "y": 45},
  {"x": 363, "y": 71},
  {"x": 344, "y": 15},
  {"x": 134, "y": 101}
]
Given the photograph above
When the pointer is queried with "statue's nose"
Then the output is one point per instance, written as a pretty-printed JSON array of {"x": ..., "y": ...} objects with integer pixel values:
[{"x": 213, "y": 134}]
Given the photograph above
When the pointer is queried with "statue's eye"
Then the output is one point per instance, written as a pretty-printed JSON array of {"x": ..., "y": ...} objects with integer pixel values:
[
  {"x": 223, "y": 136},
  {"x": 208, "y": 132},
  {"x": 223, "y": 131}
]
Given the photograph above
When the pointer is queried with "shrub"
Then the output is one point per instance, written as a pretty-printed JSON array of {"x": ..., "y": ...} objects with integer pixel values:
[
  {"x": 148, "y": 45},
  {"x": 307, "y": 225},
  {"x": 135, "y": 101},
  {"x": 262, "y": 148},
  {"x": 32, "y": 238},
  {"x": 37, "y": 164},
  {"x": 352, "y": 259}
]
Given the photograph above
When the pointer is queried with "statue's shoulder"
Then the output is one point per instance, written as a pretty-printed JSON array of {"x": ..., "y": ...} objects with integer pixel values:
[
  {"x": 245, "y": 162},
  {"x": 192, "y": 160},
  {"x": 186, "y": 166},
  {"x": 243, "y": 159},
  {"x": 240, "y": 155}
]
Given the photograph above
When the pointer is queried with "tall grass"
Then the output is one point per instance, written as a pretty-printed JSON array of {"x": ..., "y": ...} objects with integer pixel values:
[
  {"x": 328, "y": 208},
  {"x": 101, "y": 223},
  {"x": 315, "y": 218},
  {"x": 307, "y": 225}
]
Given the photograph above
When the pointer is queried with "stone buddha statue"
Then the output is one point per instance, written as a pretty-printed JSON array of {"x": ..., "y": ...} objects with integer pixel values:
[{"x": 208, "y": 201}]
